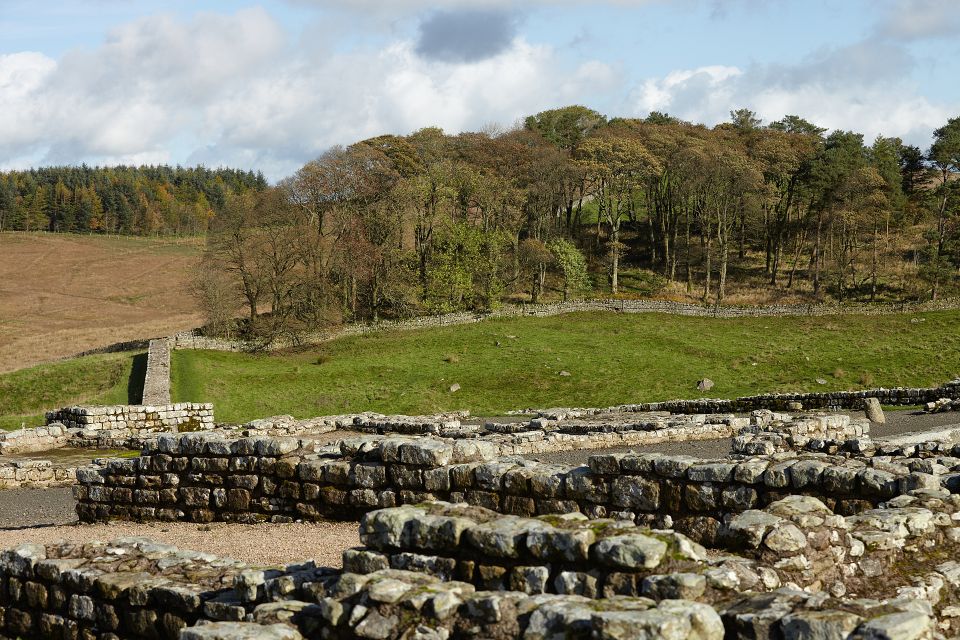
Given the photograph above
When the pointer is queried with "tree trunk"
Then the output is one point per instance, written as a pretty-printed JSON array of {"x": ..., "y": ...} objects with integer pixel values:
[
  {"x": 615, "y": 273},
  {"x": 815, "y": 259}
]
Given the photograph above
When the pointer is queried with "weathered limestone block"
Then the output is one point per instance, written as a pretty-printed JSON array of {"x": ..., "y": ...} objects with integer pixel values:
[
  {"x": 630, "y": 551},
  {"x": 634, "y": 492}
]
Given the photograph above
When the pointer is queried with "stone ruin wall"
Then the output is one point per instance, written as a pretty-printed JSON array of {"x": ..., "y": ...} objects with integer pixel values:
[
  {"x": 133, "y": 588},
  {"x": 439, "y": 571},
  {"x": 535, "y": 436},
  {"x": 201, "y": 478},
  {"x": 36, "y": 474},
  {"x": 463, "y": 542},
  {"x": 134, "y": 419},
  {"x": 832, "y": 400}
]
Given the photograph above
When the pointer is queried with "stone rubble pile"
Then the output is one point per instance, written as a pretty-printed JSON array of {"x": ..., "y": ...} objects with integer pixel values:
[
  {"x": 770, "y": 433},
  {"x": 943, "y": 405}
]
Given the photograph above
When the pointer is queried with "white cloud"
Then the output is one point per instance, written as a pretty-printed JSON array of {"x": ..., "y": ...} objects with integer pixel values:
[
  {"x": 920, "y": 19},
  {"x": 862, "y": 88},
  {"x": 699, "y": 93},
  {"x": 229, "y": 89},
  {"x": 22, "y": 77}
]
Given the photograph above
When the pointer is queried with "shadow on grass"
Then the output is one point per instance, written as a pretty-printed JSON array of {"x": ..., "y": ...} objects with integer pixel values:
[{"x": 135, "y": 383}]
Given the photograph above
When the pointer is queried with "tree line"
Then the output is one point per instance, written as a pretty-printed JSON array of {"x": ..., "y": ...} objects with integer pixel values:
[
  {"x": 568, "y": 204},
  {"x": 127, "y": 200},
  {"x": 571, "y": 204}
]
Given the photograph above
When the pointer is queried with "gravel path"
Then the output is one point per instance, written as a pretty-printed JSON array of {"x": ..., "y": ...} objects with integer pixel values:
[
  {"x": 901, "y": 422},
  {"x": 46, "y": 515},
  {"x": 267, "y": 544},
  {"x": 36, "y": 507}
]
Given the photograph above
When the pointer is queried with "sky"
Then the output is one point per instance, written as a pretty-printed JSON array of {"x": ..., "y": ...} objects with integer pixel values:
[{"x": 272, "y": 84}]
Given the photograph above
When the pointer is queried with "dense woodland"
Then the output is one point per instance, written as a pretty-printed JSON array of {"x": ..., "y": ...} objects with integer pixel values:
[
  {"x": 127, "y": 200},
  {"x": 569, "y": 205}
]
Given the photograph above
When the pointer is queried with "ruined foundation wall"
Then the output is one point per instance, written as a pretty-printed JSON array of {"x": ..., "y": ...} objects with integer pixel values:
[
  {"x": 32, "y": 474},
  {"x": 202, "y": 479},
  {"x": 134, "y": 419}
]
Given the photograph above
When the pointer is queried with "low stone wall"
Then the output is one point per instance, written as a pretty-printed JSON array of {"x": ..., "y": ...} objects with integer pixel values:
[
  {"x": 156, "y": 379},
  {"x": 134, "y": 588},
  {"x": 445, "y": 425},
  {"x": 136, "y": 419},
  {"x": 795, "y": 541},
  {"x": 193, "y": 339},
  {"x": 128, "y": 589},
  {"x": 36, "y": 474},
  {"x": 777, "y": 434},
  {"x": 138, "y": 589},
  {"x": 201, "y": 479},
  {"x": 853, "y": 400},
  {"x": 52, "y": 436}
]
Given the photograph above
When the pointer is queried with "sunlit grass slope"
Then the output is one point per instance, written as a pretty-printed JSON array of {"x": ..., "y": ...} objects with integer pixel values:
[{"x": 611, "y": 358}]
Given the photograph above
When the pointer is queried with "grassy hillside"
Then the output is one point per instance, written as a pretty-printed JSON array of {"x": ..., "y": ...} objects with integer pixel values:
[
  {"x": 115, "y": 378},
  {"x": 61, "y": 294},
  {"x": 612, "y": 358}
]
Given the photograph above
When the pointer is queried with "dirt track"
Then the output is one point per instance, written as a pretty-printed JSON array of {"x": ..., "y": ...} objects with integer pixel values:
[{"x": 272, "y": 544}]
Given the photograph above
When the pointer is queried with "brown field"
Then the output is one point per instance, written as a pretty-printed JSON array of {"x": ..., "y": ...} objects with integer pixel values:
[{"x": 63, "y": 294}]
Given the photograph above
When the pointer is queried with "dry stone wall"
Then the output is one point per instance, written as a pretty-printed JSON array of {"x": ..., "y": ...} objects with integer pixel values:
[
  {"x": 942, "y": 397},
  {"x": 156, "y": 379},
  {"x": 516, "y": 438},
  {"x": 133, "y": 588},
  {"x": 52, "y": 436},
  {"x": 198, "y": 478},
  {"x": 194, "y": 339}
]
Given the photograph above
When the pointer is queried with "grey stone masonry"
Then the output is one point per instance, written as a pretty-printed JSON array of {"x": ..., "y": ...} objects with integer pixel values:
[
  {"x": 156, "y": 380},
  {"x": 796, "y": 540},
  {"x": 51, "y": 436},
  {"x": 202, "y": 477},
  {"x": 131, "y": 419},
  {"x": 854, "y": 400},
  {"x": 36, "y": 474},
  {"x": 771, "y": 433},
  {"x": 128, "y": 588},
  {"x": 136, "y": 589}
]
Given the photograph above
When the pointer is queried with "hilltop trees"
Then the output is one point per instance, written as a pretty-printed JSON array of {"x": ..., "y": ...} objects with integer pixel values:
[
  {"x": 131, "y": 200},
  {"x": 568, "y": 204},
  {"x": 430, "y": 223},
  {"x": 942, "y": 252}
]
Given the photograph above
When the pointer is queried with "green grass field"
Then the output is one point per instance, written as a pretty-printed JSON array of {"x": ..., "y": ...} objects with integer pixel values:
[
  {"x": 114, "y": 378},
  {"x": 612, "y": 359}
]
